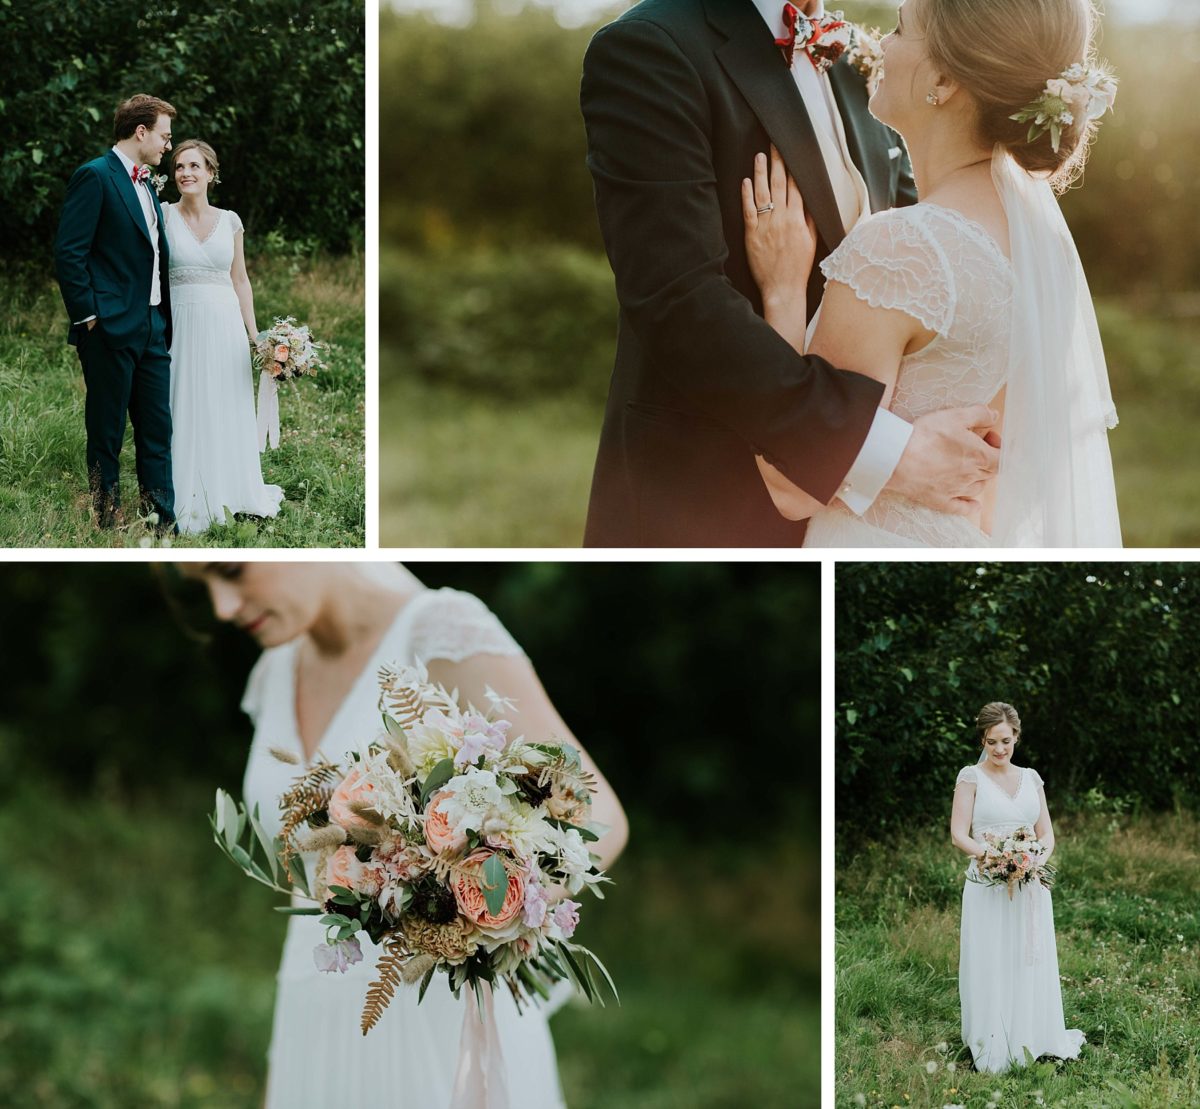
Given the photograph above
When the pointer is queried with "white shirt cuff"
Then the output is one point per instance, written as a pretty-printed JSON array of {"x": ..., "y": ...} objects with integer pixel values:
[
  {"x": 876, "y": 462},
  {"x": 80, "y": 323}
]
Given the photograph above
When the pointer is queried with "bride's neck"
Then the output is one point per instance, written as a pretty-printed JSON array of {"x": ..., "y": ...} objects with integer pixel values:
[
  {"x": 355, "y": 613},
  {"x": 194, "y": 204},
  {"x": 939, "y": 154}
]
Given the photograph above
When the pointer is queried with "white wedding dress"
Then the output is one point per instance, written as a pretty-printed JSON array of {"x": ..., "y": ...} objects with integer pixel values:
[
  {"x": 1023, "y": 323},
  {"x": 318, "y": 1054},
  {"x": 948, "y": 273},
  {"x": 1008, "y": 961},
  {"x": 214, "y": 439}
]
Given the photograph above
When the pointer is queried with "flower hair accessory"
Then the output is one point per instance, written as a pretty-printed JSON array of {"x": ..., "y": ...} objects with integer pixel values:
[{"x": 1081, "y": 93}]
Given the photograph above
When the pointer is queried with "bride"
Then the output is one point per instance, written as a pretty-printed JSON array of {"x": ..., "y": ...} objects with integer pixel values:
[
  {"x": 325, "y": 629},
  {"x": 214, "y": 444},
  {"x": 975, "y": 295},
  {"x": 1008, "y": 961}
]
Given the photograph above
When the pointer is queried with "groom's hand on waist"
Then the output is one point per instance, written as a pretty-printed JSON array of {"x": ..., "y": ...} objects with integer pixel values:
[{"x": 949, "y": 459}]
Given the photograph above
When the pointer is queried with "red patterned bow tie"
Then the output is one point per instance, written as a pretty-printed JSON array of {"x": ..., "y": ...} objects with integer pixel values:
[
  {"x": 139, "y": 174},
  {"x": 824, "y": 40}
]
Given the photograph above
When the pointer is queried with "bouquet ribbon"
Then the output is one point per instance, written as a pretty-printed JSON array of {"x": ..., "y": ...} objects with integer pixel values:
[
  {"x": 480, "y": 1081},
  {"x": 268, "y": 411}
]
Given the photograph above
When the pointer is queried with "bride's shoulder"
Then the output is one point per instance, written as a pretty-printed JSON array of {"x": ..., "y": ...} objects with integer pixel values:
[
  {"x": 968, "y": 775},
  {"x": 453, "y": 625},
  {"x": 231, "y": 217}
]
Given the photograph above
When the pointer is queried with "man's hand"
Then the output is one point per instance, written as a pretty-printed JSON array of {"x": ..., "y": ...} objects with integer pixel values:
[
  {"x": 90, "y": 324},
  {"x": 950, "y": 457}
]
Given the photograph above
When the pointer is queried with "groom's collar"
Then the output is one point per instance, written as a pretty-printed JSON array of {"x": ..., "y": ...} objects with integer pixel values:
[
  {"x": 772, "y": 13},
  {"x": 126, "y": 161}
]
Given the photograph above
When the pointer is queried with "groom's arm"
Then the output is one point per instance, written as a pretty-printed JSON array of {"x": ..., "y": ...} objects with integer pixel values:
[
  {"x": 649, "y": 152},
  {"x": 73, "y": 244}
]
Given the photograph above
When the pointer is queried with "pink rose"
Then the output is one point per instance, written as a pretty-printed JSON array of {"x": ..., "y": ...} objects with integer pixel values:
[
  {"x": 352, "y": 791},
  {"x": 343, "y": 869},
  {"x": 281, "y": 352},
  {"x": 438, "y": 833},
  {"x": 468, "y": 892}
]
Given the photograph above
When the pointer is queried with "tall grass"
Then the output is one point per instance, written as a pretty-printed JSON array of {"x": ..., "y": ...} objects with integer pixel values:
[
  {"x": 319, "y": 463},
  {"x": 1128, "y": 933},
  {"x": 138, "y": 968}
]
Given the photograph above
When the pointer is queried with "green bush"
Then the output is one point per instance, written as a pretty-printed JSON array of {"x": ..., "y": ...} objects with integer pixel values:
[
  {"x": 277, "y": 87},
  {"x": 1101, "y": 661},
  {"x": 534, "y": 322}
]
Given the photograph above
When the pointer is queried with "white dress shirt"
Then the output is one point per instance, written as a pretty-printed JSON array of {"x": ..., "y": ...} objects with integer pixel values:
[
  {"x": 147, "y": 202},
  {"x": 889, "y": 434}
]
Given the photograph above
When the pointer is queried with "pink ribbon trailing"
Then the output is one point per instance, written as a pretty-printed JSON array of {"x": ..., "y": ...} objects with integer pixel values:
[
  {"x": 480, "y": 1081},
  {"x": 268, "y": 411}
]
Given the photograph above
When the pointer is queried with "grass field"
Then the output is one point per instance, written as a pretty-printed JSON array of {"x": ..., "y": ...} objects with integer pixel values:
[
  {"x": 1128, "y": 932},
  {"x": 464, "y": 466},
  {"x": 139, "y": 968},
  {"x": 319, "y": 461}
]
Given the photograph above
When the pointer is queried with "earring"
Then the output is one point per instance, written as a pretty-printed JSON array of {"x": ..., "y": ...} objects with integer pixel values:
[{"x": 932, "y": 98}]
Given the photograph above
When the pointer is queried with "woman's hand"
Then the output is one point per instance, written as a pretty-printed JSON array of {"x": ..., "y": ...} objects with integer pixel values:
[{"x": 781, "y": 238}]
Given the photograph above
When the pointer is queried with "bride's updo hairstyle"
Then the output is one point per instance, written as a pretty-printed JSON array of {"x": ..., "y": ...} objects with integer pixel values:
[
  {"x": 206, "y": 152},
  {"x": 997, "y": 712},
  {"x": 1003, "y": 52}
]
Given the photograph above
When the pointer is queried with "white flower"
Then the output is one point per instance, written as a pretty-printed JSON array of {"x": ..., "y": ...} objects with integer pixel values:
[
  {"x": 951, "y": 1067},
  {"x": 931, "y": 1067},
  {"x": 519, "y": 827},
  {"x": 860, "y": 1099},
  {"x": 391, "y": 797},
  {"x": 943, "y": 1047},
  {"x": 498, "y": 703},
  {"x": 470, "y": 798},
  {"x": 432, "y": 740}
]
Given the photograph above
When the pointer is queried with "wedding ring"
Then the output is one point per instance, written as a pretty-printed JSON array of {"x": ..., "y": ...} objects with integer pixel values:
[{"x": 770, "y": 207}]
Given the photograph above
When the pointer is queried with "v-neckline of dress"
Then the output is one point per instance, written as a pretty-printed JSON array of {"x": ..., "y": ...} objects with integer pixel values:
[
  {"x": 368, "y": 669},
  {"x": 211, "y": 231},
  {"x": 1015, "y": 793}
]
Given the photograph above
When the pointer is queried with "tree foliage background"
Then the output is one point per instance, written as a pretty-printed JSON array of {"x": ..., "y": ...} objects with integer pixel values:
[
  {"x": 276, "y": 86},
  {"x": 665, "y": 671},
  {"x": 1101, "y": 661}
]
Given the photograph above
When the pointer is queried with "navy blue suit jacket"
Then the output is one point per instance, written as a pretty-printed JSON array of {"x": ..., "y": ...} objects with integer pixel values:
[{"x": 103, "y": 255}]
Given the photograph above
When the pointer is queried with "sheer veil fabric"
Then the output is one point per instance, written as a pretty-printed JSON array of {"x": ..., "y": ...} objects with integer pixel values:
[{"x": 1055, "y": 487}]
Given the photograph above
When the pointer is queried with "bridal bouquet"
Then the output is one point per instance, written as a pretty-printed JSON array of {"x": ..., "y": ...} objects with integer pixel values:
[
  {"x": 442, "y": 841},
  {"x": 284, "y": 352},
  {"x": 1013, "y": 861}
]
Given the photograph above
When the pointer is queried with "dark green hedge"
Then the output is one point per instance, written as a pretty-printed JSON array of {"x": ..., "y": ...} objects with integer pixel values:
[
  {"x": 1101, "y": 661},
  {"x": 277, "y": 87}
]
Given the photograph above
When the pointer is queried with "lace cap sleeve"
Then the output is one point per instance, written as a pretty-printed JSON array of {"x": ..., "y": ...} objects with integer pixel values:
[
  {"x": 453, "y": 625},
  {"x": 967, "y": 774},
  {"x": 890, "y": 260},
  {"x": 1037, "y": 778},
  {"x": 235, "y": 221}
]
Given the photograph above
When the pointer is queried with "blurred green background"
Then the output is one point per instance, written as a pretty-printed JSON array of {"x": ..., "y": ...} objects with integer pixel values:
[
  {"x": 497, "y": 309},
  {"x": 139, "y": 965}
]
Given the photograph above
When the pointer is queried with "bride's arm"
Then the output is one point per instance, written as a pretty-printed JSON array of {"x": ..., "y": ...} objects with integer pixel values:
[
  {"x": 1043, "y": 829},
  {"x": 241, "y": 285},
  {"x": 960, "y": 820},
  {"x": 537, "y": 719}
]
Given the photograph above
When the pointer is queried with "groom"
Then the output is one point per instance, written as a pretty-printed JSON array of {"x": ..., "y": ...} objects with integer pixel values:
[
  {"x": 111, "y": 261},
  {"x": 678, "y": 97}
]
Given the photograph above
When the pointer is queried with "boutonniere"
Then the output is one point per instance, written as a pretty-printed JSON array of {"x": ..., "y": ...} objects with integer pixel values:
[
  {"x": 158, "y": 180},
  {"x": 866, "y": 56}
]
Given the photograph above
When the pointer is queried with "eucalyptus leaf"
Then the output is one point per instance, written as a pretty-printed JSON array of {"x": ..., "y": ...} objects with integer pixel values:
[
  {"x": 495, "y": 884},
  {"x": 289, "y": 910},
  {"x": 438, "y": 777}
]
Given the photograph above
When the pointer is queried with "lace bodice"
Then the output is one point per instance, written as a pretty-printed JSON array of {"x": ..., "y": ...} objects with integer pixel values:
[
  {"x": 947, "y": 272},
  {"x": 201, "y": 263},
  {"x": 995, "y": 810},
  {"x": 435, "y": 624}
]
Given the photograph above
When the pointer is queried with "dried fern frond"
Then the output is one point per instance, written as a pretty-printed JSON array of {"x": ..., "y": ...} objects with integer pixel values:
[
  {"x": 310, "y": 793},
  {"x": 391, "y": 977},
  {"x": 289, "y": 757},
  {"x": 403, "y": 703}
]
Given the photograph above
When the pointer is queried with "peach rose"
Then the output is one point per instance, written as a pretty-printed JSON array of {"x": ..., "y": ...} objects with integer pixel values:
[
  {"x": 438, "y": 833},
  {"x": 343, "y": 869},
  {"x": 468, "y": 892},
  {"x": 352, "y": 791},
  {"x": 281, "y": 352}
]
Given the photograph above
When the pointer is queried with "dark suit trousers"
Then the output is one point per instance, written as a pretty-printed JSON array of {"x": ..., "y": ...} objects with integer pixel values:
[{"x": 134, "y": 379}]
